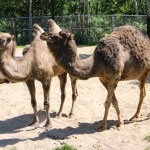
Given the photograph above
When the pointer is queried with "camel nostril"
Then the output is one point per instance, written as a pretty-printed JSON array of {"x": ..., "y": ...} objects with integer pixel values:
[{"x": 2, "y": 40}]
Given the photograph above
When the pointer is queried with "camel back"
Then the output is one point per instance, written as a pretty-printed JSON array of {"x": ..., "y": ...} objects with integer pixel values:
[{"x": 129, "y": 39}]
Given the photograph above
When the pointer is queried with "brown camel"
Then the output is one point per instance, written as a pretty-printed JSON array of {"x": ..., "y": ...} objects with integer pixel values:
[
  {"x": 34, "y": 65},
  {"x": 122, "y": 55}
]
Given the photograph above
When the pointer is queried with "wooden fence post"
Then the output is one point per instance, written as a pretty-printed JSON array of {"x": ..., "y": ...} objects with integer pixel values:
[
  {"x": 148, "y": 17},
  {"x": 30, "y": 21}
]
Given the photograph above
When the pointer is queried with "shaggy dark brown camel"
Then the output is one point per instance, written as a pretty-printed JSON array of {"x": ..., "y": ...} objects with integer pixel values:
[
  {"x": 122, "y": 55},
  {"x": 34, "y": 65}
]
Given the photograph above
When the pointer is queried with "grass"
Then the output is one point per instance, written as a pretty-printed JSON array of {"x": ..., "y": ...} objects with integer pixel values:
[
  {"x": 65, "y": 147},
  {"x": 147, "y": 138},
  {"x": 20, "y": 46},
  {"x": 13, "y": 148},
  {"x": 148, "y": 148}
]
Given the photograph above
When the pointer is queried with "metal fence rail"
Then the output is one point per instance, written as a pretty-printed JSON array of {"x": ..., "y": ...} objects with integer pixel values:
[{"x": 87, "y": 29}]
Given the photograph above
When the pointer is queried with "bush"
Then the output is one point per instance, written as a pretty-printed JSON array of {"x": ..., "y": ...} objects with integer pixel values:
[{"x": 65, "y": 147}]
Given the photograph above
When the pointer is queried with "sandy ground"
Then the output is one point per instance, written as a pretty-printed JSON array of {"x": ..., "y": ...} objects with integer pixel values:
[{"x": 79, "y": 131}]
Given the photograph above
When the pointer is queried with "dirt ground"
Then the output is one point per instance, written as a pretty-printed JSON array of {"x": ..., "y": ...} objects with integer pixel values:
[{"x": 79, "y": 131}]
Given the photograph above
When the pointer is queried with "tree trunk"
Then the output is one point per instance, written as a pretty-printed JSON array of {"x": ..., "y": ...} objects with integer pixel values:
[
  {"x": 30, "y": 20},
  {"x": 136, "y": 6},
  {"x": 53, "y": 9},
  {"x": 148, "y": 17}
]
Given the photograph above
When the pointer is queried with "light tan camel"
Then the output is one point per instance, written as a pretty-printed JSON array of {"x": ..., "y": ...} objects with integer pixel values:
[
  {"x": 3, "y": 79},
  {"x": 122, "y": 55},
  {"x": 34, "y": 65}
]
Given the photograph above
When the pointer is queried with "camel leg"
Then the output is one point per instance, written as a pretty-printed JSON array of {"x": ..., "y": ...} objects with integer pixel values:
[
  {"x": 110, "y": 88},
  {"x": 116, "y": 106},
  {"x": 142, "y": 81},
  {"x": 46, "y": 90},
  {"x": 31, "y": 86},
  {"x": 74, "y": 94},
  {"x": 114, "y": 102},
  {"x": 63, "y": 80}
]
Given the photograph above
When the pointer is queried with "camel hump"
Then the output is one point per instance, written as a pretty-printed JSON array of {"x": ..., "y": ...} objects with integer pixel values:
[
  {"x": 36, "y": 28},
  {"x": 53, "y": 27}
]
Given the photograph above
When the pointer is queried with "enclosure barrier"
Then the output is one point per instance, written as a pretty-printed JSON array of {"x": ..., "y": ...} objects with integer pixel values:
[{"x": 86, "y": 29}]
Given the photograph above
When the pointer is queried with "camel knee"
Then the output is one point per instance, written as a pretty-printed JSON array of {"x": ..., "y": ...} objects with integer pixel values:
[
  {"x": 115, "y": 103},
  {"x": 142, "y": 95},
  {"x": 74, "y": 96},
  {"x": 63, "y": 96},
  {"x": 46, "y": 105},
  {"x": 107, "y": 104},
  {"x": 33, "y": 103}
]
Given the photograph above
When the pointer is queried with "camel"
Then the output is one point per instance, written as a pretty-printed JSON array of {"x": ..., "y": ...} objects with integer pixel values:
[
  {"x": 34, "y": 65},
  {"x": 122, "y": 55},
  {"x": 3, "y": 79}
]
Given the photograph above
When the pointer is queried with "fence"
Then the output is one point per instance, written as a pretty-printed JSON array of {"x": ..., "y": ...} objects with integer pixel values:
[{"x": 87, "y": 29}]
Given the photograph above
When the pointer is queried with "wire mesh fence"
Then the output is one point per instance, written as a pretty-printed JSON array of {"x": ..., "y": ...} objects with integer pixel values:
[{"x": 87, "y": 29}]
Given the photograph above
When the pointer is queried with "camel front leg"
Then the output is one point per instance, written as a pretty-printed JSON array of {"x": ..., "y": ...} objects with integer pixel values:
[
  {"x": 46, "y": 89},
  {"x": 74, "y": 94},
  {"x": 142, "y": 95},
  {"x": 63, "y": 80},
  {"x": 31, "y": 86}
]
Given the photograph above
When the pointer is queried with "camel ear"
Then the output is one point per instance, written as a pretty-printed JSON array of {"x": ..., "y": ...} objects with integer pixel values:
[
  {"x": 69, "y": 36},
  {"x": 13, "y": 37}
]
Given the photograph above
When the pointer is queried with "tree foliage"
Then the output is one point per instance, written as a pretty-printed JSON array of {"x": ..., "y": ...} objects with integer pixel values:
[
  {"x": 11, "y": 8},
  {"x": 89, "y": 20}
]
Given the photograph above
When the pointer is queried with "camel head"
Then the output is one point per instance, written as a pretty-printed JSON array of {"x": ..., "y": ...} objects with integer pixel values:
[
  {"x": 62, "y": 43},
  {"x": 6, "y": 42}
]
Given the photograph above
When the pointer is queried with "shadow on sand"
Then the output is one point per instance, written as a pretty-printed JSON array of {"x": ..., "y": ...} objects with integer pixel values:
[
  {"x": 55, "y": 134},
  {"x": 10, "y": 126},
  {"x": 15, "y": 124}
]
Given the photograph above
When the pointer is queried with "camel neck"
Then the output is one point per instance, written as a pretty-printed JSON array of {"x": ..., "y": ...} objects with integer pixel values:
[
  {"x": 76, "y": 65},
  {"x": 13, "y": 68},
  {"x": 81, "y": 68}
]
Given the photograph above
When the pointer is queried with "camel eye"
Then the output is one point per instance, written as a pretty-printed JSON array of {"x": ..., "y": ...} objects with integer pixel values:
[
  {"x": 56, "y": 37},
  {"x": 8, "y": 40}
]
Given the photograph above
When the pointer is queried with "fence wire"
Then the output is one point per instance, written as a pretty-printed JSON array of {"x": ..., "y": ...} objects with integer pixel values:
[{"x": 87, "y": 29}]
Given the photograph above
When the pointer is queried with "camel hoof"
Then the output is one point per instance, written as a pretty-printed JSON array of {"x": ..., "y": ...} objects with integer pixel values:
[
  {"x": 101, "y": 128},
  {"x": 70, "y": 115},
  {"x": 133, "y": 119},
  {"x": 59, "y": 115},
  {"x": 118, "y": 124},
  {"x": 47, "y": 127}
]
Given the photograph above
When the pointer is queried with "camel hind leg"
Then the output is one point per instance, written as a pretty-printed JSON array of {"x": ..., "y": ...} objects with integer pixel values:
[
  {"x": 114, "y": 103},
  {"x": 63, "y": 79},
  {"x": 142, "y": 82},
  {"x": 31, "y": 86},
  {"x": 74, "y": 94}
]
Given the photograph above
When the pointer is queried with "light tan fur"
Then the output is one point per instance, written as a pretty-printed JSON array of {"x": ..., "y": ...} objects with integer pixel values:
[{"x": 34, "y": 65}]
